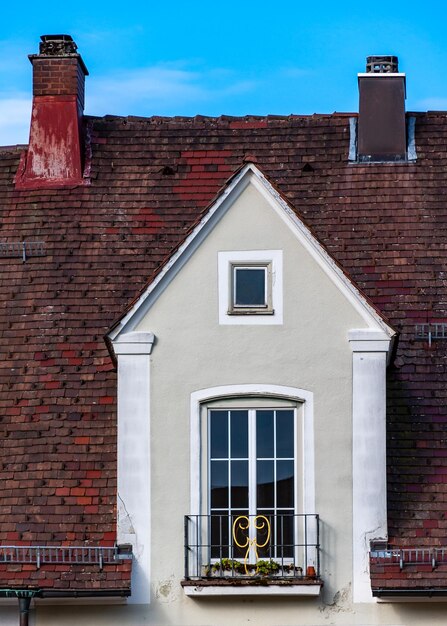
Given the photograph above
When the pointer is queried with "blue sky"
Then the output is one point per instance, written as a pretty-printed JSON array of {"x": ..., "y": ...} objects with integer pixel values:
[{"x": 234, "y": 58}]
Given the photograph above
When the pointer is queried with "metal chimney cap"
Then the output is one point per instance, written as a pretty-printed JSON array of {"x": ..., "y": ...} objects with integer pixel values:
[
  {"x": 57, "y": 45},
  {"x": 382, "y": 64},
  {"x": 56, "y": 37}
]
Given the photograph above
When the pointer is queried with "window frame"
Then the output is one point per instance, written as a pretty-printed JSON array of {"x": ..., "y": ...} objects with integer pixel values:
[
  {"x": 250, "y": 309},
  {"x": 253, "y": 509},
  {"x": 252, "y": 453},
  {"x": 251, "y": 394},
  {"x": 243, "y": 394},
  {"x": 270, "y": 313}
]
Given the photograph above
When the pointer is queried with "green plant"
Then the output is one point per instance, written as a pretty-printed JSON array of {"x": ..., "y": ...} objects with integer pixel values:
[
  {"x": 266, "y": 568},
  {"x": 228, "y": 565}
]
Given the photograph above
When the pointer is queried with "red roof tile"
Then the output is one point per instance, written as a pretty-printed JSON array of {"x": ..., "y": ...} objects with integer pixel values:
[{"x": 150, "y": 180}]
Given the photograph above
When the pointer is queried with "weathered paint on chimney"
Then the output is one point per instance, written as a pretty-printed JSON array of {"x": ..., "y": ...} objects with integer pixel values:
[{"x": 55, "y": 153}]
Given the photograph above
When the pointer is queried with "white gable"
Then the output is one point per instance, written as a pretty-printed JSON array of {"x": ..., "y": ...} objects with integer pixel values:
[{"x": 250, "y": 174}]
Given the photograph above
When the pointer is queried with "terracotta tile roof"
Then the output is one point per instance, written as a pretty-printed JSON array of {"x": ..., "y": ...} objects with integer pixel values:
[{"x": 386, "y": 224}]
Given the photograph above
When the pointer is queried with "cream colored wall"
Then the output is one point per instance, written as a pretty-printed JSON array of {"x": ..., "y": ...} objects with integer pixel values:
[
  {"x": 310, "y": 351},
  {"x": 248, "y": 612}
]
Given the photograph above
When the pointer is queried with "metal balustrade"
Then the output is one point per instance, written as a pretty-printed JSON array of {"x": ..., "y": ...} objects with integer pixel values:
[
  {"x": 70, "y": 555},
  {"x": 410, "y": 556},
  {"x": 236, "y": 545}
]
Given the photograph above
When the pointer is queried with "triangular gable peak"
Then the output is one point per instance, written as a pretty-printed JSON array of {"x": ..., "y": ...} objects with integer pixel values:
[{"x": 250, "y": 174}]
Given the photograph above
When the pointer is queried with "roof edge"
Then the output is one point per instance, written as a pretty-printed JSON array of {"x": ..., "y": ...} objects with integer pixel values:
[{"x": 215, "y": 210}]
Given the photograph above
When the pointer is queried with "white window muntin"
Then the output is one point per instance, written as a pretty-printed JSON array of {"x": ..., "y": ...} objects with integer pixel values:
[
  {"x": 252, "y": 457},
  {"x": 252, "y": 394},
  {"x": 251, "y": 508}
]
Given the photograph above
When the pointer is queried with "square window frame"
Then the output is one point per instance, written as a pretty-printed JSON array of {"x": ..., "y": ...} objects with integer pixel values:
[
  {"x": 255, "y": 309},
  {"x": 270, "y": 315}
]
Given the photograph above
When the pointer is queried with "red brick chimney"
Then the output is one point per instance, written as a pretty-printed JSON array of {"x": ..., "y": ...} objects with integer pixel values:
[
  {"x": 382, "y": 124},
  {"x": 55, "y": 155}
]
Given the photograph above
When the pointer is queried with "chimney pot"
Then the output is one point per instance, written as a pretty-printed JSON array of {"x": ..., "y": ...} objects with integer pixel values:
[
  {"x": 57, "y": 45},
  {"x": 382, "y": 64}
]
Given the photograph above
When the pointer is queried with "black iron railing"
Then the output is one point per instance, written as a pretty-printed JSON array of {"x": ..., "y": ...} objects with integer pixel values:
[{"x": 245, "y": 546}]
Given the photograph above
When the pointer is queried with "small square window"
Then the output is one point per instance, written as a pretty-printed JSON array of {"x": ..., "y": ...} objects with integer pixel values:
[{"x": 250, "y": 289}]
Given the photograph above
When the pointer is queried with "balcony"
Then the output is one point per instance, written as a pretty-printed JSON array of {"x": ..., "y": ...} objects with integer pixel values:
[{"x": 236, "y": 553}]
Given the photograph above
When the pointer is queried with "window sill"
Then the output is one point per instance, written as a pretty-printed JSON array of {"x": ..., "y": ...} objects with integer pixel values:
[
  {"x": 257, "y": 587},
  {"x": 251, "y": 312}
]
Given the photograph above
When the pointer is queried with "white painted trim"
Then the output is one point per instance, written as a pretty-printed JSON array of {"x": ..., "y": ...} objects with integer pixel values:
[
  {"x": 369, "y": 489},
  {"x": 134, "y": 343},
  {"x": 367, "y": 335},
  {"x": 250, "y": 174},
  {"x": 367, "y": 340},
  {"x": 224, "y": 261},
  {"x": 426, "y": 599},
  {"x": 134, "y": 480},
  {"x": 380, "y": 75},
  {"x": 255, "y": 390},
  {"x": 263, "y": 590}
]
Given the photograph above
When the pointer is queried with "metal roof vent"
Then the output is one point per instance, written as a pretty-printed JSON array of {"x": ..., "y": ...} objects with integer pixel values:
[{"x": 382, "y": 64}]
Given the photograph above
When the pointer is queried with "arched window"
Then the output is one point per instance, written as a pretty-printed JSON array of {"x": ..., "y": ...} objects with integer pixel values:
[{"x": 252, "y": 473}]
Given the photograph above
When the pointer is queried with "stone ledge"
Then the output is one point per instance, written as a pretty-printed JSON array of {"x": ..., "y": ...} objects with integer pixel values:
[{"x": 252, "y": 587}]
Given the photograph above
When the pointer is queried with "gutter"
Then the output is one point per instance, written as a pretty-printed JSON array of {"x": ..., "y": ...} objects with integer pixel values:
[
  {"x": 64, "y": 593},
  {"x": 25, "y": 596},
  {"x": 429, "y": 592}
]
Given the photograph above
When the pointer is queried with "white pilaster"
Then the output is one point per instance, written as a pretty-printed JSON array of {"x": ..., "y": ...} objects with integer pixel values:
[
  {"x": 133, "y": 353},
  {"x": 369, "y": 360}
]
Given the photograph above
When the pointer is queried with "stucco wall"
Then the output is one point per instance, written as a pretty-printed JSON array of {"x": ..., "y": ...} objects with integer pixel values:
[
  {"x": 310, "y": 351},
  {"x": 192, "y": 352}
]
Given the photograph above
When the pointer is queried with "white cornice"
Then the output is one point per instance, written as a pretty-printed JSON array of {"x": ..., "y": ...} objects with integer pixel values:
[
  {"x": 134, "y": 343},
  {"x": 366, "y": 340}
]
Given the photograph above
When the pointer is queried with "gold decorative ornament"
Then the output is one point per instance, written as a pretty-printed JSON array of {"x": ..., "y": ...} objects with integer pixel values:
[{"x": 241, "y": 525}]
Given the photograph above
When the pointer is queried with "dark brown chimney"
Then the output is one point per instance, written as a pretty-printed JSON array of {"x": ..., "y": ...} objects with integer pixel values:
[
  {"x": 381, "y": 126},
  {"x": 55, "y": 152}
]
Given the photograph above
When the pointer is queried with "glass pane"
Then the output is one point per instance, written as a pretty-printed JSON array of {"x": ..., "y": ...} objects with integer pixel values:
[
  {"x": 219, "y": 434},
  {"x": 239, "y": 434},
  {"x": 239, "y": 484},
  {"x": 285, "y": 535},
  {"x": 265, "y": 484},
  {"x": 284, "y": 483},
  {"x": 219, "y": 484},
  {"x": 267, "y": 551},
  {"x": 264, "y": 434},
  {"x": 219, "y": 536},
  {"x": 284, "y": 434},
  {"x": 249, "y": 286}
]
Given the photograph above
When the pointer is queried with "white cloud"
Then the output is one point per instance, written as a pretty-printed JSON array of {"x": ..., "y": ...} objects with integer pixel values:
[
  {"x": 167, "y": 89},
  {"x": 294, "y": 72},
  {"x": 163, "y": 89},
  {"x": 15, "y": 115},
  {"x": 184, "y": 87},
  {"x": 432, "y": 104}
]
